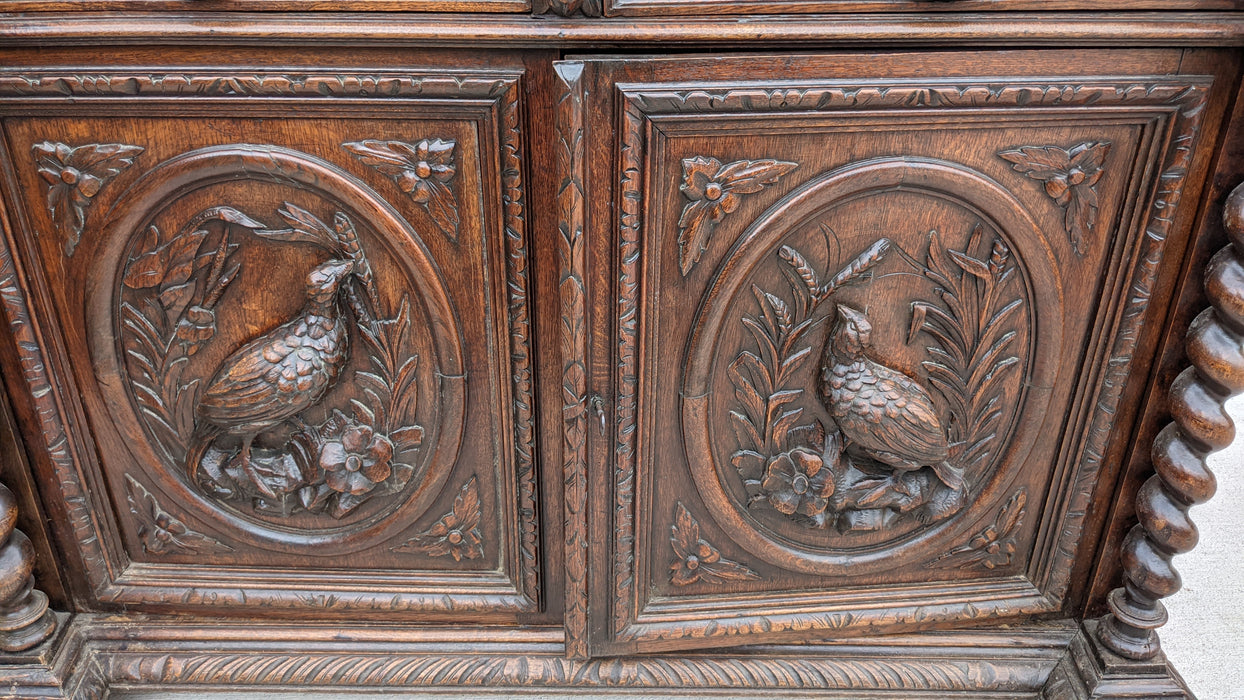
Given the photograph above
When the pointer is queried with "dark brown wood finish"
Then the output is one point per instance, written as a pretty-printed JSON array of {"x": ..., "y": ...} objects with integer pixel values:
[{"x": 753, "y": 349}]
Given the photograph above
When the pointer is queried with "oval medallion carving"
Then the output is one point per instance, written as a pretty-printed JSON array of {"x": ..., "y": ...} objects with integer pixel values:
[
  {"x": 283, "y": 340},
  {"x": 873, "y": 356}
]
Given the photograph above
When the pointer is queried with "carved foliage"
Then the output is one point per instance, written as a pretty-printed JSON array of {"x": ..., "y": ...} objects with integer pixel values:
[
  {"x": 457, "y": 533},
  {"x": 74, "y": 176},
  {"x": 874, "y": 463},
  {"x": 715, "y": 190},
  {"x": 424, "y": 170},
  {"x": 993, "y": 546},
  {"x": 332, "y": 465},
  {"x": 573, "y": 336},
  {"x": 972, "y": 340},
  {"x": 697, "y": 560},
  {"x": 174, "y": 283},
  {"x": 160, "y": 531},
  {"x": 1070, "y": 178}
]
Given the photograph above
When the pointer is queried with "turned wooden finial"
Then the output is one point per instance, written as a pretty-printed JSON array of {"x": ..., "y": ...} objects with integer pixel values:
[
  {"x": 25, "y": 619},
  {"x": 1199, "y": 426}
]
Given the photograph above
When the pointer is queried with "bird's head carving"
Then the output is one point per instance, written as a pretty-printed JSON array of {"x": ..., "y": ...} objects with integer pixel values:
[
  {"x": 852, "y": 333},
  {"x": 326, "y": 278}
]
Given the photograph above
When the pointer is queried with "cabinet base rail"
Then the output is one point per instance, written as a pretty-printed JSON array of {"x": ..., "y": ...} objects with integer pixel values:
[{"x": 103, "y": 656}]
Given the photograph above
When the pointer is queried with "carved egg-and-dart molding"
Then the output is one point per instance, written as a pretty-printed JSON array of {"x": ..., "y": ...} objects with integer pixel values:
[
  {"x": 715, "y": 190},
  {"x": 1070, "y": 177},
  {"x": 423, "y": 170},
  {"x": 74, "y": 175}
]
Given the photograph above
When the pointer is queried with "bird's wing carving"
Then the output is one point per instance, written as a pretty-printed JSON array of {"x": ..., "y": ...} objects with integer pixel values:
[
  {"x": 893, "y": 420},
  {"x": 268, "y": 379}
]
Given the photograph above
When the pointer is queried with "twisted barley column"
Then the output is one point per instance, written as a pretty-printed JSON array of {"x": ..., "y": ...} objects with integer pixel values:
[
  {"x": 1200, "y": 426},
  {"x": 24, "y": 616}
]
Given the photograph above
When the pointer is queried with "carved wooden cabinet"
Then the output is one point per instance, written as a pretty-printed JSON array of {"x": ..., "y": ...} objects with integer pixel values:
[{"x": 469, "y": 353}]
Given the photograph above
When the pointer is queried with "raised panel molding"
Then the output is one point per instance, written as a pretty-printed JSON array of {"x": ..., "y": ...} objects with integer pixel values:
[
  {"x": 1177, "y": 106},
  {"x": 490, "y": 97}
]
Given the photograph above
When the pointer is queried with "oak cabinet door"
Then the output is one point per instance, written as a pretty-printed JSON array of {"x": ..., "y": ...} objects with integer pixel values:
[
  {"x": 289, "y": 314},
  {"x": 855, "y": 330}
]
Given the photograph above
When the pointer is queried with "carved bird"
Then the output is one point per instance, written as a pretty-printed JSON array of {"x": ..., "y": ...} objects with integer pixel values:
[
  {"x": 279, "y": 374},
  {"x": 883, "y": 414}
]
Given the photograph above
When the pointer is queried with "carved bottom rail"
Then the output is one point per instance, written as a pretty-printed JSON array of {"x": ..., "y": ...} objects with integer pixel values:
[{"x": 1200, "y": 426}]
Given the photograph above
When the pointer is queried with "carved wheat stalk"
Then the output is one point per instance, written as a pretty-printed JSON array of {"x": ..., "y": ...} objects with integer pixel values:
[{"x": 1199, "y": 426}]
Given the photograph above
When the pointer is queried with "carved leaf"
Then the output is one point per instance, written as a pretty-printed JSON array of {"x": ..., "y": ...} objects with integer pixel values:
[
  {"x": 714, "y": 190},
  {"x": 1069, "y": 178},
  {"x": 424, "y": 170},
  {"x": 74, "y": 176},
  {"x": 161, "y": 533},
  {"x": 696, "y": 559},
  {"x": 457, "y": 533},
  {"x": 994, "y": 546}
]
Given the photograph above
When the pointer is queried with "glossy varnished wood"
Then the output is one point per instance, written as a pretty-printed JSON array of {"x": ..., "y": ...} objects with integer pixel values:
[{"x": 601, "y": 346}]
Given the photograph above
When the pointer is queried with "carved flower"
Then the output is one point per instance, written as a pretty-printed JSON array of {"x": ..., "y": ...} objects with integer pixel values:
[
  {"x": 994, "y": 552},
  {"x": 1069, "y": 176},
  {"x": 431, "y": 162},
  {"x": 422, "y": 170},
  {"x": 798, "y": 482},
  {"x": 714, "y": 190},
  {"x": 457, "y": 533},
  {"x": 196, "y": 326},
  {"x": 357, "y": 461},
  {"x": 74, "y": 176},
  {"x": 696, "y": 559}
]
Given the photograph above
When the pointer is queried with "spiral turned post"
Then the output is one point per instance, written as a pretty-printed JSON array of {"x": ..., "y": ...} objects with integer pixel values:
[
  {"x": 1200, "y": 425},
  {"x": 25, "y": 620}
]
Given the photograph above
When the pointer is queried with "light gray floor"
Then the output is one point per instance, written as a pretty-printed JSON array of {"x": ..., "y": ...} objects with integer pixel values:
[{"x": 1205, "y": 635}]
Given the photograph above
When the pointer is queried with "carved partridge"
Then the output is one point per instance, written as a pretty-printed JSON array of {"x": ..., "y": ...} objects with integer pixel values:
[
  {"x": 883, "y": 414},
  {"x": 282, "y": 372}
]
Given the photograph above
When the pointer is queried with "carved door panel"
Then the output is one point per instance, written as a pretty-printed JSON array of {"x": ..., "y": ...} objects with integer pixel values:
[
  {"x": 293, "y": 307},
  {"x": 861, "y": 349}
]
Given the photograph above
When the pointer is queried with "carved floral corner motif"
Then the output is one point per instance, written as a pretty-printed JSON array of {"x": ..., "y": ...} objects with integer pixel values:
[
  {"x": 1070, "y": 178},
  {"x": 161, "y": 533},
  {"x": 715, "y": 190},
  {"x": 993, "y": 546},
  {"x": 74, "y": 175},
  {"x": 457, "y": 533},
  {"x": 423, "y": 170},
  {"x": 697, "y": 560}
]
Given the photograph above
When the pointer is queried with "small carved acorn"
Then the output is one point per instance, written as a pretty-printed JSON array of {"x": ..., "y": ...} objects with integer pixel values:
[{"x": 883, "y": 414}]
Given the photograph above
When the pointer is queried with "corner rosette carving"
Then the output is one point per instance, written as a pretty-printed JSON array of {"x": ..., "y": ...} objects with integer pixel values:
[
  {"x": 715, "y": 190},
  {"x": 457, "y": 533},
  {"x": 697, "y": 560},
  {"x": 74, "y": 176},
  {"x": 1070, "y": 178},
  {"x": 423, "y": 170},
  {"x": 160, "y": 532},
  {"x": 993, "y": 546}
]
